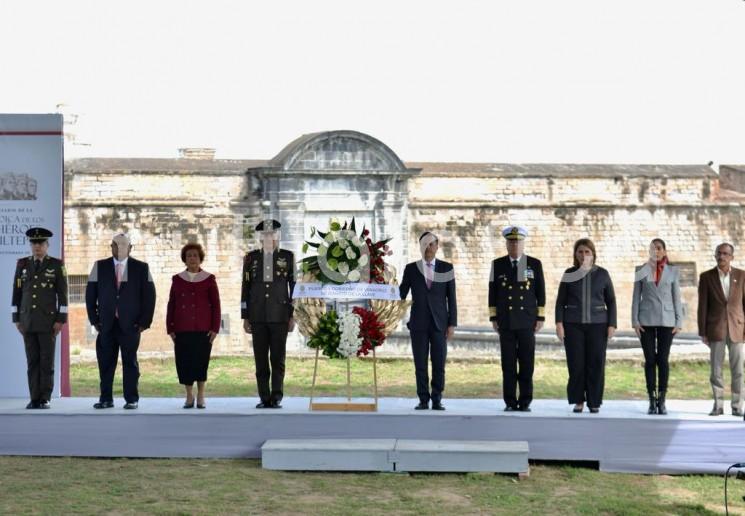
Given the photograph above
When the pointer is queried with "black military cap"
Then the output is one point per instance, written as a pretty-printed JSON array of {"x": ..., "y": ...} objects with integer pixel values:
[
  {"x": 275, "y": 225},
  {"x": 38, "y": 235}
]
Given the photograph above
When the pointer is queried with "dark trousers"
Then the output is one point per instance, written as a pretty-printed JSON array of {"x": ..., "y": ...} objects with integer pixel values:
[
  {"x": 656, "y": 342},
  {"x": 585, "y": 346},
  {"x": 40, "y": 364},
  {"x": 269, "y": 343},
  {"x": 192, "y": 352},
  {"x": 108, "y": 345},
  {"x": 517, "y": 350},
  {"x": 433, "y": 344}
]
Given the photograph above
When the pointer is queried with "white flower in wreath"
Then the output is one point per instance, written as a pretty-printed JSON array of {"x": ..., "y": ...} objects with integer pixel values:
[
  {"x": 354, "y": 275},
  {"x": 343, "y": 267},
  {"x": 349, "y": 327},
  {"x": 350, "y": 253},
  {"x": 343, "y": 243},
  {"x": 330, "y": 237},
  {"x": 322, "y": 250},
  {"x": 363, "y": 260}
]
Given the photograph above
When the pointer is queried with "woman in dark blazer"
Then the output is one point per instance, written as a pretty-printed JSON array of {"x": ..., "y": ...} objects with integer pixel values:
[
  {"x": 585, "y": 321},
  {"x": 656, "y": 315},
  {"x": 193, "y": 321}
]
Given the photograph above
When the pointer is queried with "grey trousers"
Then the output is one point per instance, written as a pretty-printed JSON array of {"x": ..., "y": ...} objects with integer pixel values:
[{"x": 716, "y": 350}]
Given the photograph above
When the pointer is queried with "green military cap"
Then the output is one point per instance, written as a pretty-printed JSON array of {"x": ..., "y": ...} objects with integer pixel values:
[
  {"x": 38, "y": 235},
  {"x": 261, "y": 226}
]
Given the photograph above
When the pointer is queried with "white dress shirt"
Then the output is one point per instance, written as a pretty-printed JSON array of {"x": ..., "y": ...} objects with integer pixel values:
[{"x": 724, "y": 279}]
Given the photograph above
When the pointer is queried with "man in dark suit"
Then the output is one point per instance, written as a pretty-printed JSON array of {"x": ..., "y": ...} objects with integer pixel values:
[
  {"x": 266, "y": 310},
  {"x": 721, "y": 324},
  {"x": 39, "y": 312},
  {"x": 120, "y": 299},
  {"x": 434, "y": 316},
  {"x": 517, "y": 301}
]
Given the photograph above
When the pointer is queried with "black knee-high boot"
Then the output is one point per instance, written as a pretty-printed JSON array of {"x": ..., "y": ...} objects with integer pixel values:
[
  {"x": 661, "y": 409},
  {"x": 652, "y": 403}
]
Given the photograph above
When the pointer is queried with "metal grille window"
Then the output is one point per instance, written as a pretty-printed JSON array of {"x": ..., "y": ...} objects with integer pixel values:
[
  {"x": 687, "y": 272},
  {"x": 76, "y": 288}
]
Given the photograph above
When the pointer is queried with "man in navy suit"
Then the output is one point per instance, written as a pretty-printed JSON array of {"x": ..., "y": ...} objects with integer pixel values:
[
  {"x": 120, "y": 299},
  {"x": 434, "y": 316}
]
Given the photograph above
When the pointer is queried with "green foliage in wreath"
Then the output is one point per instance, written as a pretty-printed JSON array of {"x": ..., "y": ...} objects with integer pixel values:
[{"x": 328, "y": 336}]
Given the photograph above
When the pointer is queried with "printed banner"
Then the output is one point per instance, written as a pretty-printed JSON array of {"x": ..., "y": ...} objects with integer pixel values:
[
  {"x": 347, "y": 291},
  {"x": 31, "y": 172}
]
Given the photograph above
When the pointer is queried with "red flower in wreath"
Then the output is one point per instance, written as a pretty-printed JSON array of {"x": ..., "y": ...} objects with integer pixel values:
[{"x": 371, "y": 330}]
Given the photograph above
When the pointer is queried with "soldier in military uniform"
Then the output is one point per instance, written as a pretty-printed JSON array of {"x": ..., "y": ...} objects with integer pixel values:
[
  {"x": 266, "y": 310},
  {"x": 517, "y": 299},
  {"x": 39, "y": 312}
]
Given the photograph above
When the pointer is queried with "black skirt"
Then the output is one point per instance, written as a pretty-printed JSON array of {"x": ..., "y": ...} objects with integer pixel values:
[{"x": 192, "y": 350}]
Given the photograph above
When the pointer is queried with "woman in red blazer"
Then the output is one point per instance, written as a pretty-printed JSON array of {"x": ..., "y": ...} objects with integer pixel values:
[{"x": 193, "y": 321}]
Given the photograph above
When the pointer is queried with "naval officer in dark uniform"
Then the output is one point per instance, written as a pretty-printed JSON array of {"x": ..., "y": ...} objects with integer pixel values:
[
  {"x": 517, "y": 303},
  {"x": 266, "y": 309},
  {"x": 39, "y": 312}
]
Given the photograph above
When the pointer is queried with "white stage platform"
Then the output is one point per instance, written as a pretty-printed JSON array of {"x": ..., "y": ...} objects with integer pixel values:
[{"x": 621, "y": 438}]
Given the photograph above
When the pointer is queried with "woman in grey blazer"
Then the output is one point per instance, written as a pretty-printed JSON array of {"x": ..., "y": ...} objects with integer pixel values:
[
  {"x": 585, "y": 322},
  {"x": 656, "y": 315}
]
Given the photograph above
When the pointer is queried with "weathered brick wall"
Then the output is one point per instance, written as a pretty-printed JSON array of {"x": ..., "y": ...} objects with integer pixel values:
[
  {"x": 161, "y": 212},
  {"x": 216, "y": 203},
  {"x": 621, "y": 217}
]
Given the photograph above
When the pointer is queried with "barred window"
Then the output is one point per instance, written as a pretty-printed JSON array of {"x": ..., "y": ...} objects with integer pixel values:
[
  {"x": 76, "y": 288},
  {"x": 687, "y": 272}
]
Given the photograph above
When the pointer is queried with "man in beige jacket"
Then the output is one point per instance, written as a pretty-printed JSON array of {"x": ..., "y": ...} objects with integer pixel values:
[{"x": 721, "y": 323}]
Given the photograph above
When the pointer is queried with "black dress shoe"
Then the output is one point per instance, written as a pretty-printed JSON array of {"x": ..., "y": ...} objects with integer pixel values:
[
  {"x": 32, "y": 405},
  {"x": 511, "y": 408},
  {"x": 103, "y": 404},
  {"x": 716, "y": 411},
  {"x": 275, "y": 404},
  {"x": 578, "y": 410},
  {"x": 44, "y": 405},
  {"x": 737, "y": 413},
  {"x": 594, "y": 410},
  {"x": 189, "y": 405},
  {"x": 201, "y": 405},
  {"x": 524, "y": 408},
  {"x": 130, "y": 406},
  {"x": 264, "y": 404},
  {"x": 437, "y": 406},
  {"x": 422, "y": 406}
]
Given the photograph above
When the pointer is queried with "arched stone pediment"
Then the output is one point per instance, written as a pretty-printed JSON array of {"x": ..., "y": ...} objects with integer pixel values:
[{"x": 337, "y": 150}]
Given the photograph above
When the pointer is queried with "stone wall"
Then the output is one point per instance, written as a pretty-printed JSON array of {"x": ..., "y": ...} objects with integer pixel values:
[
  {"x": 163, "y": 204},
  {"x": 161, "y": 211},
  {"x": 620, "y": 215}
]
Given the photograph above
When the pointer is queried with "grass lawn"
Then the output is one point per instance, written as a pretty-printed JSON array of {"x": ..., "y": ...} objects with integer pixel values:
[
  {"x": 189, "y": 486},
  {"x": 234, "y": 376}
]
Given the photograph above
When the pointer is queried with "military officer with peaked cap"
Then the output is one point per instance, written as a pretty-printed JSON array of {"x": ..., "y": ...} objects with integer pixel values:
[
  {"x": 266, "y": 309},
  {"x": 517, "y": 299},
  {"x": 39, "y": 312}
]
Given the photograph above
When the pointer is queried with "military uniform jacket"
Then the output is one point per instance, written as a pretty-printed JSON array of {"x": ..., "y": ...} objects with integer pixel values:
[
  {"x": 517, "y": 303},
  {"x": 39, "y": 295},
  {"x": 268, "y": 301}
]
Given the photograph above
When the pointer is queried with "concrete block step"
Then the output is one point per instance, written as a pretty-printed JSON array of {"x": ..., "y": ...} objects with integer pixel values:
[{"x": 405, "y": 455}]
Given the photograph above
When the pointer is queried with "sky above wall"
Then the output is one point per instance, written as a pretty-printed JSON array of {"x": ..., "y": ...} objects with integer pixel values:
[{"x": 531, "y": 81}]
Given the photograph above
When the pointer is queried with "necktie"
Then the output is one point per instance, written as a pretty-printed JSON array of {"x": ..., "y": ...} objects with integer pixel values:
[
  {"x": 429, "y": 275},
  {"x": 119, "y": 271},
  {"x": 37, "y": 265},
  {"x": 514, "y": 264}
]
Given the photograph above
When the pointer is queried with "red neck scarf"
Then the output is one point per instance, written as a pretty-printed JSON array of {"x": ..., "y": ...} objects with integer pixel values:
[{"x": 658, "y": 272}]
